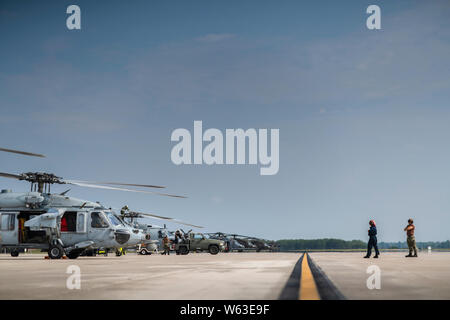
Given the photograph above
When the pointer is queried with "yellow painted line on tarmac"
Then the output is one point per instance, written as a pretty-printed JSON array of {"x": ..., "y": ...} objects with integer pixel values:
[{"x": 308, "y": 288}]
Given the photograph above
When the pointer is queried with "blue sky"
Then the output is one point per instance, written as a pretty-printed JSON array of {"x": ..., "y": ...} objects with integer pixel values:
[{"x": 363, "y": 115}]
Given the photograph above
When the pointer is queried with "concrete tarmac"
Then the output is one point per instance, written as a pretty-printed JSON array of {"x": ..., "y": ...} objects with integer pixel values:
[
  {"x": 425, "y": 277},
  {"x": 225, "y": 276},
  {"x": 194, "y": 276}
]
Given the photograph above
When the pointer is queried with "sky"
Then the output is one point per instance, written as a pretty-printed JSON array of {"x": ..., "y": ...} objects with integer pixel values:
[{"x": 363, "y": 114}]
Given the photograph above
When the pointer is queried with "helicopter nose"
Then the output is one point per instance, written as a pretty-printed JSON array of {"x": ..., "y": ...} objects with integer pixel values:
[
  {"x": 137, "y": 238},
  {"x": 122, "y": 236}
]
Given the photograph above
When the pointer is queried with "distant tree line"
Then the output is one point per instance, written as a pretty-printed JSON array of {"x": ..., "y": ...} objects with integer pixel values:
[
  {"x": 302, "y": 244},
  {"x": 420, "y": 245},
  {"x": 324, "y": 244}
]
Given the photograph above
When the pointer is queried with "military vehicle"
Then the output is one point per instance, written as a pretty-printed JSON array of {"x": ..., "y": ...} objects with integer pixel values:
[
  {"x": 199, "y": 242},
  {"x": 155, "y": 233},
  {"x": 148, "y": 247}
]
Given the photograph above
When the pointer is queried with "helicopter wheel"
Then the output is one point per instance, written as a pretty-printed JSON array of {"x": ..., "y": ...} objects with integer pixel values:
[
  {"x": 15, "y": 253},
  {"x": 55, "y": 251}
]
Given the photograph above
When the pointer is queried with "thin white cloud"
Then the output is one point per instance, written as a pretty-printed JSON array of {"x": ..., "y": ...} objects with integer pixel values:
[{"x": 215, "y": 37}]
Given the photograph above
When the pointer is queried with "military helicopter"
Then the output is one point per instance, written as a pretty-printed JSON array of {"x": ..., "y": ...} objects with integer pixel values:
[
  {"x": 230, "y": 240},
  {"x": 257, "y": 244},
  {"x": 60, "y": 224},
  {"x": 263, "y": 245},
  {"x": 240, "y": 243},
  {"x": 156, "y": 233}
]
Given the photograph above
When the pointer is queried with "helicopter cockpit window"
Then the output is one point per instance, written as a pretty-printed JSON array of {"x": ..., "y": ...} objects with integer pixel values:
[
  {"x": 98, "y": 220},
  {"x": 113, "y": 219}
]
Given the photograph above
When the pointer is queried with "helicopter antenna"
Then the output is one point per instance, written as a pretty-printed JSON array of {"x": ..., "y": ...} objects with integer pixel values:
[{"x": 65, "y": 192}]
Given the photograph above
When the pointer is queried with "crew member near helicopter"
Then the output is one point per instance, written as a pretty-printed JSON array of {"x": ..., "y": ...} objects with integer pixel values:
[
  {"x": 166, "y": 243},
  {"x": 178, "y": 236},
  {"x": 410, "y": 239},
  {"x": 372, "y": 240}
]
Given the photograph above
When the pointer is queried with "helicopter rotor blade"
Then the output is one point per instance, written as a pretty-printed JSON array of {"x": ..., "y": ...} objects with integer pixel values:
[
  {"x": 237, "y": 235},
  {"x": 152, "y": 215},
  {"x": 9, "y": 175},
  {"x": 87, "y": 185},
  {"x": 167, "y": 218},
  {"x": 122, "y": 184},
  {"x": 23, "y": 152},
  {"x": 47, "y": 178}
]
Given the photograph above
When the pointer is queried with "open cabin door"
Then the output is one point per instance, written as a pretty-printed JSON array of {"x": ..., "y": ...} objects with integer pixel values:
[{"x": 47, "y": 220}]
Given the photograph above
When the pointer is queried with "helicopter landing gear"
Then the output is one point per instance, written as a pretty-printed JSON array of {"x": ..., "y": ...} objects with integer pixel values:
[
  {"x": 75, "y": 253},
  {"x": 55, "y": 251},
  {"x": 90, "y": 253},
  {"x": 15, "y": 253}
]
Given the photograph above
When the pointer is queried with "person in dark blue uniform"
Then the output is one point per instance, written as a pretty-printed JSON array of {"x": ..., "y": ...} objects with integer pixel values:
[{"x": 372, "y": 240}]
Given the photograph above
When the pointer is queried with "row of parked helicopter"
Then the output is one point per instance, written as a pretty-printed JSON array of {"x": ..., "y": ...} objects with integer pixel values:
[
  {"x": 240, "y": 243},
  {"x": 62, "y": 225}
]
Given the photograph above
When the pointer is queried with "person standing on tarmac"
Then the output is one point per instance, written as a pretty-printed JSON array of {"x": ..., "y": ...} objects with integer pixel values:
[
  {"x": 411, "y": 239},
  {"x": 372, "y": 240},
  {"x": 166, "y": 243}
]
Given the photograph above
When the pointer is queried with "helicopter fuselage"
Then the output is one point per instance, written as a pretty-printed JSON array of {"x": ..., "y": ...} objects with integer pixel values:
[{"x": 35, "y": 220}]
